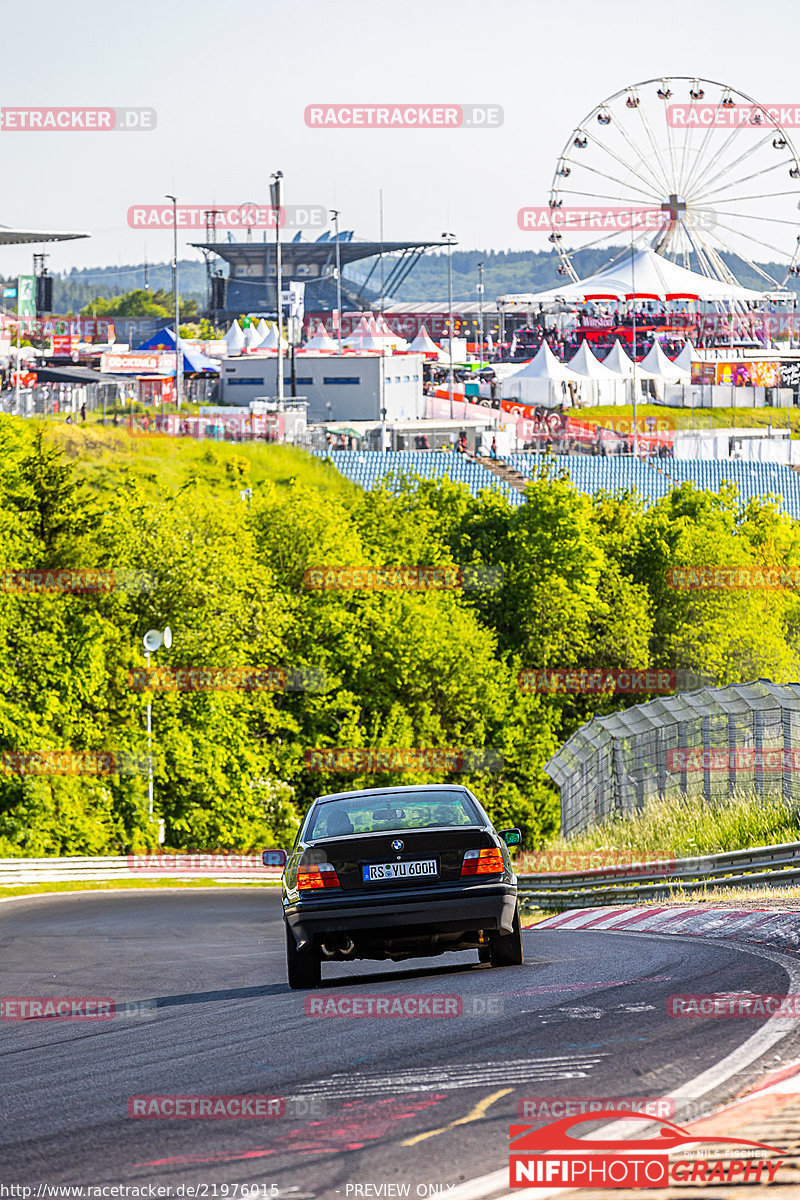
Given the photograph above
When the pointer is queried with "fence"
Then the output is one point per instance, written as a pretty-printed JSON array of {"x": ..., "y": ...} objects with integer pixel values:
[
  {"x": 760, "y": 866},
  {"x": 25, "y": 871},
  {"x": 710, "y": 741}
]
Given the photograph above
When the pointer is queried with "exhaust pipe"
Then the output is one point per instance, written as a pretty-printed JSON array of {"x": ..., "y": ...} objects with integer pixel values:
[{"x": 344, "y": 945}]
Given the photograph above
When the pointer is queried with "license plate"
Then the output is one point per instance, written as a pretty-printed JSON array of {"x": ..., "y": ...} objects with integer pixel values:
[{"x": 422, "y": 868}]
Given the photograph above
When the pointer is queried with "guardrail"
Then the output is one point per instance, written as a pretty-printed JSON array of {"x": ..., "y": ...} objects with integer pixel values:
[
  {"x": 23, "y": 871},
  {"x": 774, "y": 866}
]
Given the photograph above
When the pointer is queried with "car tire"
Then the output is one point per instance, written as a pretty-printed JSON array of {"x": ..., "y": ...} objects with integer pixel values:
[
  {"x": 506, "y": 948},
  {"x": 304, "y": 967}
]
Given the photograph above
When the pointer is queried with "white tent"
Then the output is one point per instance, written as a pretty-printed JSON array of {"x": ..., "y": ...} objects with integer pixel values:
[
  {"x": 353, "y": 340},
  {"x": 542, "y": 381},
  {"x": 263, "y": 329},
  {"x": 252, "y": 338},
  {"x": 365, "y": 337},
  {"x": 601, "y": 385},
  {"x": 584, "y": 362},
  {"x": 643, "y": 275},
  {"x": 271, "y": 340},
  {"x": 234, "y": 338},
  {"x": 385, "y": 333},
  {"x": 321, "y": 341},
  {"x": 619, "y": 361},
  {"x": 423, "y": 343},
  {"x": 687, "y": 356},
  {"x": 657, "y": 362}
]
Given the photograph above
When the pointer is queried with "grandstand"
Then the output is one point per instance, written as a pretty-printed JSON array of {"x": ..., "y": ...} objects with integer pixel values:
[
  {"x": 651, "y": 480},
  {"x": 657, "y": 478},
  {"x": 368, "y": 467}
]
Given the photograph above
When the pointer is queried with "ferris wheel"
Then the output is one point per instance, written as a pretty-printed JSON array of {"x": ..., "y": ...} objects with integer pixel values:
[{"x": 717, "y": 166}]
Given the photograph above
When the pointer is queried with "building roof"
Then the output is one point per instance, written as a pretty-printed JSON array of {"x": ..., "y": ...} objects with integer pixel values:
[
  {"x": 294, "y": 254},
  {"x": 20, "y": 237}
]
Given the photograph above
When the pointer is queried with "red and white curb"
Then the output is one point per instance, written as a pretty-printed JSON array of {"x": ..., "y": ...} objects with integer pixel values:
[{"x": 762, "y": 927}]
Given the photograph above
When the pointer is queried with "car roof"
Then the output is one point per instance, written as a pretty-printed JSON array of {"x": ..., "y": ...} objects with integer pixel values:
[{"x": 390, "y": 791}]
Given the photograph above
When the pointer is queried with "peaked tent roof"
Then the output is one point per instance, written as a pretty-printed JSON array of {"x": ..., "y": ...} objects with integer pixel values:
[
  {"x": 252, "y": 338},
  {"x": 619, "y": 361},
  {"x": 321, "y": 340},
  {"x": 234, "y": 338},
  {"x": 270, "y": 342},
  {"x": 383, "y": 331},
  {"x": 584, "y": 362},
  {"x": 544, "y": 365},
  {"x": 656, "y": 361},
  {"x": 423, "y": 343},
  {"x": 193, "y": 360},
  {"x": 643, "y": 275},
  {"x": 687, "y": 356}
]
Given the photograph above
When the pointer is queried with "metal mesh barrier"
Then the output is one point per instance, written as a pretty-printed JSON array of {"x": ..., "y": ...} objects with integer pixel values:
[{"x": 707, "y": 742}]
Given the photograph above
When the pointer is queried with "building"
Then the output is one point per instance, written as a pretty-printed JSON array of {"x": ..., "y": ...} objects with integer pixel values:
[
  {"x": 250, "y": 283},
  {"x": 347, "y": 387}
]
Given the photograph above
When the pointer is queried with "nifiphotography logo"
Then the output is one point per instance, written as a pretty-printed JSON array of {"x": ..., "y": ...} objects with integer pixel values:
[{"x": 552, "y": 1154}]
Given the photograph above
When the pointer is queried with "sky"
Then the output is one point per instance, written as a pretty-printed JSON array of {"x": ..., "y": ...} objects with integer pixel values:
[{"x": 230, "y": 83}]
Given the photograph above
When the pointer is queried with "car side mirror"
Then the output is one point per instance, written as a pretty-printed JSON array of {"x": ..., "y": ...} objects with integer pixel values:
[
  {"x": 274, "y": 858},
  {"x": 511, "y": 837}
]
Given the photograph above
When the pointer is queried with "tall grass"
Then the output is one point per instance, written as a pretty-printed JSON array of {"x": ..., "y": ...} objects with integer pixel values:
[{"x": 680, "y": 828}]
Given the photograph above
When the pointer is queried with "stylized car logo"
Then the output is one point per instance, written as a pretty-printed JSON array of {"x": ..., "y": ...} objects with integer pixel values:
[{"x": 397, "y": 844}]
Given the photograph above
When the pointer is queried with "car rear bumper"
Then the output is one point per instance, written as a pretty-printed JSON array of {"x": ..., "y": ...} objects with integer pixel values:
[{"x": 423, "y": 912}]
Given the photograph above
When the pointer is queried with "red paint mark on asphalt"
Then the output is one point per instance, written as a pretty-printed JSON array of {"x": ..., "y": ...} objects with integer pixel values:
[{"x": 356, "y": 1123}]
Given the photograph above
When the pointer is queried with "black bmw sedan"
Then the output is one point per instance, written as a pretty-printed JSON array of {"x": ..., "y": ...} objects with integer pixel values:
[{"x": 396, "y": 873}]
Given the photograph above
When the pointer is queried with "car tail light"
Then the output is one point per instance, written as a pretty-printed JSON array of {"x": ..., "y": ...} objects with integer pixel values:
[
  {"x": 483, "y": 862},
  {"x": 321, "y": 875}
]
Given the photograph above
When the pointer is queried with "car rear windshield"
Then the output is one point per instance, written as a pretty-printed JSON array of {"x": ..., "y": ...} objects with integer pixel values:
[{"x": 377, "y": 814}]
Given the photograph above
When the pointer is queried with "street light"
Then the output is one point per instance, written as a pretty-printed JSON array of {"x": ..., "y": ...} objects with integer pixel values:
[
  {"x": 178, "y": 354},
  {"x": 275, "y": 195},
  {"x": 480, "y": 308},
  {"x": 153, "y": 640},
  {"x": 451, "y": 237},
  {"x": 335, "y": 214}
]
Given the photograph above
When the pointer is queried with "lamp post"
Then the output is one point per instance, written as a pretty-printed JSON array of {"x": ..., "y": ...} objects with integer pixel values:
[
  {"x": 152, "y": 641},
  {"x": 275, "y": 195},
  {"x": 178, "y": 355},
  {"x": 480, "y": 309},
  {"x": 335, "y": 214},
  {"x": 451, "y": 237}
]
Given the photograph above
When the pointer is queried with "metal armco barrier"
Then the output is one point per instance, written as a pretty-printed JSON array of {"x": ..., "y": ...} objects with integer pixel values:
[
  {"x": 774, "y": 866},
  {"x": 20, "y": 871}
]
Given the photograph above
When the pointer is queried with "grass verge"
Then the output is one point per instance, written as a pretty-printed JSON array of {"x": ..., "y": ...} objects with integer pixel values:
[
  {"x": 110, "y": 885},
  {"x": 681, "y": 828}
]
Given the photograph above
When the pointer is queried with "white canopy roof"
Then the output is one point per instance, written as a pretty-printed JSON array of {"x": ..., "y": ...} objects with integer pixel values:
[
  {"x": 656, "y": 361},
  {"x": 321, "y": 341},
  {"x": 687, "y": 356},
  {"x": 644, "y": 275},
  {"x": 271, "y": 340},
  {"x": 252, "y": 338},
  {"x": 585, "y": 363},
  {"x": 423, "y": 343},
  {"x": 263, "y": 329},
  {"x": 619, "y": 361},
  {"x": 382, "y": 330},
  {"x": 234, "y": 338},
  {"x": 544, "y": 365}
]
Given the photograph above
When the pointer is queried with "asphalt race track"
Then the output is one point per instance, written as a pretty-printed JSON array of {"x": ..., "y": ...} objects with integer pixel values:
[{"x": 424, "y": 1101}]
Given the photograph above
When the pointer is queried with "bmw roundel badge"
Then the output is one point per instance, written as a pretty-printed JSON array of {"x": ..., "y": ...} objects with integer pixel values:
[{"x": 397, "y": 844}]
